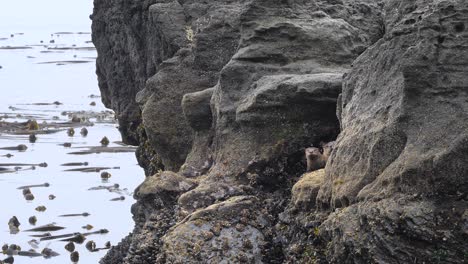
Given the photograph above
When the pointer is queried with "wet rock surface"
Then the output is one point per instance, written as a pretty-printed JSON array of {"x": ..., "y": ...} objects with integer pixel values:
[{"x": 223, "y": 97}]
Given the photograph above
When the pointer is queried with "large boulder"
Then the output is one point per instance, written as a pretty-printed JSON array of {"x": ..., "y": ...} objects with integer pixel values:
[
  {"x": 226, "y": 232},
  {"x": 400, "y": 165},
  {"x": 278, "y": 93}
]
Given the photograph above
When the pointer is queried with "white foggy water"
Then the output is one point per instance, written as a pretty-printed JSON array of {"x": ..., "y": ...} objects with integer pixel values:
[{"x": 26, "y": 78}]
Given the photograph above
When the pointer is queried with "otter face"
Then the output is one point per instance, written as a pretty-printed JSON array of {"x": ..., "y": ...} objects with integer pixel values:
[
  {"x": 328, "y": 148},
  {"x": 312, "y": 152}
]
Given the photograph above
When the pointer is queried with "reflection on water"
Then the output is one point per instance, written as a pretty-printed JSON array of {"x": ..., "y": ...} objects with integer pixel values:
[{"x": 50, "y": 78}]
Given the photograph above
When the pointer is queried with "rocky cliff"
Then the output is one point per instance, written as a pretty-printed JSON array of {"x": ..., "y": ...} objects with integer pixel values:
[{"x": 223, "y": 96}]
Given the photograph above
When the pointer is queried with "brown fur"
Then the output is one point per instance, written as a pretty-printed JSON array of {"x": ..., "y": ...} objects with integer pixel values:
[
  {"x": 327, "y": 148},
  {"x": 316, "y": 158}
]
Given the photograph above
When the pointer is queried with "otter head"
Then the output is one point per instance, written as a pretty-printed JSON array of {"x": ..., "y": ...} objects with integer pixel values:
[
  {"x": 328, "y": 148},
  {"x": 312, "y": 153}
]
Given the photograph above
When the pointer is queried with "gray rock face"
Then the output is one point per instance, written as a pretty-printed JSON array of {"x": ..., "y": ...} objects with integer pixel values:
[
  {"x": 227, "y": 94},
  {"x": 401, "y": 158},
  {"x": 121, "y": 35}
]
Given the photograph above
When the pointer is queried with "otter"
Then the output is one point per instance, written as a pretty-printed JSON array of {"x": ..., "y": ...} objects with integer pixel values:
[
  {"x": 315, "y": 159},
  {"x": 327, "y": 148}
]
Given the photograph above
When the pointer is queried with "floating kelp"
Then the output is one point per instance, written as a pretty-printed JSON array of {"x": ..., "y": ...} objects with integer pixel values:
[
  {"x": 72, "y": 215},
  {"x": 40, "y": 104},
  {"x": 59, "y": 236},
  {"x": 14, "y": 47},
  {"x": 20, "y": 147},
  {"x": 69, "y": 33},
  {"x": 42, "y": 235},
  {"x": 41, "y": 208},
  {"x": 30, "y": 254},
  {"x": 43, "y": 165},
  {"x": 103, "y": 187},
  {"x": 113, "y": 188},
  {"x": 65, "y": 62},
  {"x": 99, "y": 232},
  {"x": 97, "y": 150},
  {"x": 76, "y": 239},
  {"x": 49, "y": 253},
  {"x": 6, "y": 170},
  {"x": 34, "y": 243},
  {"x": 93, "y": 169},
  {"x": 46, "y": 228},
  {"x": 33, "y": 186},
  {"x": 75, "y": 164},
  {"x": 88, "y": 227},
  {"x": 72, "y": 48},
  {"x": 121, "y": 198}
]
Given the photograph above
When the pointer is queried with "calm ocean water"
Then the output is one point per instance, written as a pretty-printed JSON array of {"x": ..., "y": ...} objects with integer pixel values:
[{"x": 44, "y": 73}]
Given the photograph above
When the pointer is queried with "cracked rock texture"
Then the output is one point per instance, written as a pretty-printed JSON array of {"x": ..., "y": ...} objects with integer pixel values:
[{"x": 223, "y": 96}]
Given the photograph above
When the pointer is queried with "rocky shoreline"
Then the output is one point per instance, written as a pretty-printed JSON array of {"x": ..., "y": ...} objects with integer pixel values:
[{"x": 222, "y": 98}]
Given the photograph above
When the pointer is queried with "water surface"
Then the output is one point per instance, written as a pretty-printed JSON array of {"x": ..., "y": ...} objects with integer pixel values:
[{"x": 46, "y": 72}]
